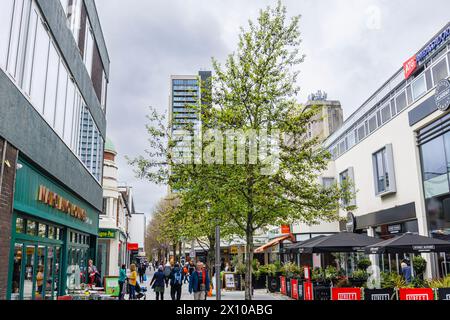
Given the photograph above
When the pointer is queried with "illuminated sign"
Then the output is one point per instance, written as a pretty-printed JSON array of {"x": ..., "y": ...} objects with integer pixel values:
[
  {"x": 57, "y": 202},
  {"x": 132, "y": 246},
  {"x": 411, "y": 65},
  {"x": 107, "y": 234}
]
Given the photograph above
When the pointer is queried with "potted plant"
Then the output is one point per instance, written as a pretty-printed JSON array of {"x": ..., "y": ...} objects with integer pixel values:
[
  {"x": 359, "y": 278},
  {"x": 442, "y": 286},
  {"x": 331, "y": 275}
]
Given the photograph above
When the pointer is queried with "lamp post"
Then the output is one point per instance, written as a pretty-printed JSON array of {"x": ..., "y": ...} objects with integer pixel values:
[{"x": 218, "y": 264}]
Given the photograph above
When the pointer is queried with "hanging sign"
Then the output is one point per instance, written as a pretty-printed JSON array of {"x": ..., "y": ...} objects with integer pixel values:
[{"x": 442, "y": 96}]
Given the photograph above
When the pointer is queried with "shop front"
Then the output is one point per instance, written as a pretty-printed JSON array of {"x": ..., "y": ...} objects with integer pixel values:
[{"x": 54, "y": 234}]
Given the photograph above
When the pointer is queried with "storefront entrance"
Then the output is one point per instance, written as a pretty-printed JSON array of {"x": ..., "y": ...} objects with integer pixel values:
[{"x": 36, "y": 260}]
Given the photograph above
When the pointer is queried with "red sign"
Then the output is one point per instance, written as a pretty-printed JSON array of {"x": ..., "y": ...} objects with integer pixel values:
[
  {"x": 307, "y": 271},
  {"x": 410, "y": 66},
  {"x": 308, "y": 291},
  {"x": 416, "y": 294},
  {"x": 283, "y": 285},
  {"x": 285, "y": 229},
  {"x": 294, "y": 289},
  {"x": 342, "y": 294},
  {"x": 133, "y": 246}
]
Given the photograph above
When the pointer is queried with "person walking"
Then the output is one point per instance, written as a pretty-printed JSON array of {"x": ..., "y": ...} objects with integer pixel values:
[
  {"x": 122, "y": 279},
  {"x": 141, "y": 270},
  {"x": 167, "y": 272},
  {"x": 157, "y": 283},
  {"x": 199, "y": 282},
  {"x": 406, "y": 271},
  {"x": 186, "y": 273},
  {"x": 176, "y": 282},
  {"x": 132, "y": 282}
]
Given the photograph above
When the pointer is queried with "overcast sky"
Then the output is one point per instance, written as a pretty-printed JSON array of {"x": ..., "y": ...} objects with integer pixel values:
[{"x": 352, "y": 47}]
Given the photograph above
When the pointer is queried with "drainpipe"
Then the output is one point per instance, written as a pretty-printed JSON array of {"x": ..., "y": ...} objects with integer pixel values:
[{"x": 2, "y": 170}]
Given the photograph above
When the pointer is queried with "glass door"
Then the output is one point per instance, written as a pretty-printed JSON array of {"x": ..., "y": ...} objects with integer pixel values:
[
  {"x": 28, "y": 284},
  {"x": 39, "y": 285},
  {"x": 17, "y": 272},
  {"x": 50, "y": 268}
]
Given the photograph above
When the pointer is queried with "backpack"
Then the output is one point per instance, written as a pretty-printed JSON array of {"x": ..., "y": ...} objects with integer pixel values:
[
  {"x": 178, "y": 277},
  {"x": 185, "y": 270}
]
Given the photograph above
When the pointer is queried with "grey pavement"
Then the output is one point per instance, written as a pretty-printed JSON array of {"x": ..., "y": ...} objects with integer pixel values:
[{"x": 225, "y": 295}]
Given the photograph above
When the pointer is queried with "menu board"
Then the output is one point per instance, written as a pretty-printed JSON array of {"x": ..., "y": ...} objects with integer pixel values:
[
  {"x": 229, "y": 281},
  {"x": 112, "y": 286}
]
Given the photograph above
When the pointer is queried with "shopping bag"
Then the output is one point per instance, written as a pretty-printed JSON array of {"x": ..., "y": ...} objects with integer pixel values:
[{"x": 145, "y": 278}]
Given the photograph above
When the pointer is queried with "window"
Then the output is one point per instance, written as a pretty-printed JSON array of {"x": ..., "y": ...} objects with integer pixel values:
[
  {"x": 51, "y": 85},
  {"x": 409, "y": 95},
  {"x": 384, "y": 171},
  {"x": 418, "y": 87},
  {"x": 89, "y": 48},
  {"x": 440, "y": 71},
  {"x": 386, "y": 113},
  {"x": 31, "y": 228},
  {"x": 400, "y": 101},
  {"x": 6, "y": 13},
  {"x": 348, "y": 177},
  {"x": 20, "y": 225},
  {"x": 372, "y": 124},
  {"x": 13, "y": 60},
  {"x": 105, "y": 206},
  {"x": 42, "y": 230},
  {"x": 434, "y": 167},
  {"x": 361, "y": 132},
  {"x": 327, "y": 182},
  {"x": 428, "y": 79}
]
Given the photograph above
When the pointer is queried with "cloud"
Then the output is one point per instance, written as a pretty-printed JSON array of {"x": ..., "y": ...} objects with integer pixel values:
[{"x": 352, "y": 47}]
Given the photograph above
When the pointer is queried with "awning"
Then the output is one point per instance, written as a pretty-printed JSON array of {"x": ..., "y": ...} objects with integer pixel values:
[
  {"x": 409, "y": 243},
  {"x": 340, "y": 242},
  {"x": 293, "y": 247},
  {"x": 272, "y": 243}
]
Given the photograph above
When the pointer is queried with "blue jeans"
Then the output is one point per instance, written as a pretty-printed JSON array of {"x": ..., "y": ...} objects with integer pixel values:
[{"x": 132, "y": 293}]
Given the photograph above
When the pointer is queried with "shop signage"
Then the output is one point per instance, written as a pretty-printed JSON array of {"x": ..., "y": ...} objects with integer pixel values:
[
  {"x": 424, "y": 248},
  {"x": 442, "y": 96},
  {"x": 57, "y": 202},
  {"x": 444, "y": 293},
  {"x": 285, "y": 229},
  {"x": 112, "y": 286},
  {"x": 308, "y": 291},
  {"x": 283, "y": 285},
  {"x": 342, "y": 294},
  {"x": 416, "y": 294},
  {"x": 229, "y": 281},
  {"x": 274, "y": 284},
  {"x": 234, "y": 250},
  {"x": 133, "y": 246},
  {"x": 294, "y": 289},
  {"x": 433, "y": 45},
  {"x": 395, "y": 228},
  {"x": 107, "y": 234},
  {"x": 410, "y": 66},
  {"x": 350, "y": 226}
]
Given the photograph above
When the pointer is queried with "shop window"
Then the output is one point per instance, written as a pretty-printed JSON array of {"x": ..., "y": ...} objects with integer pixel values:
[
  {"x": 434, "y": 166},
  {"x": 16, "y": 272},
  {"x": 42, "y": 230},
  {"x": 31, "y": 228},
  {"x": 51, "y": 232},
  {"x": 440, "y": 71},
  {"x": 20, "y": 225},
  {"x": 28, "y": 285},
  {"x": 39, "y": 285},
  {"x": 383, "y": 169}
]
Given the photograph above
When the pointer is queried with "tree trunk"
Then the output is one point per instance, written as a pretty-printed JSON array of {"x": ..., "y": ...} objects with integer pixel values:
[
  {"x": 180, "y": 247},
  {"x": 174, "y": 248},
  {"x": 248, "y": 264}
]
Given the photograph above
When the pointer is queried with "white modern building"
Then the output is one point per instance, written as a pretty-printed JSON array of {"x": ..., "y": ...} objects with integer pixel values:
[
  {"x": 395, "y": 149},
  {"x": 114, "y": 220},
  {"x": 137, "y": 229}
]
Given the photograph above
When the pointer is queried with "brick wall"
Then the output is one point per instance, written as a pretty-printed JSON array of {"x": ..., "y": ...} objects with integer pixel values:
[{"x": 6, "y": 211}]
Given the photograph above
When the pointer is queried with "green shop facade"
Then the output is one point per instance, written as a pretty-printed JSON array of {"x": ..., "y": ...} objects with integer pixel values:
[{"x": 54, "y": 234}]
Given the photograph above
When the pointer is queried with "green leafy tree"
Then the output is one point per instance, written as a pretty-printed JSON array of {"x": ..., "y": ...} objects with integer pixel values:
[{"x": 254, "y": 91}]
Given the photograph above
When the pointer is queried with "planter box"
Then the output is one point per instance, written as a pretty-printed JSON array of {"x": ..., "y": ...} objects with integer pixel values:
[
  {"x": 416, "y": 294},
  {"x": 346, "y": 294},
  {"x": 296, "y": 289},
  {"x": 357, "y": 283},
  {"x": 259, "y": 283},
  {"x": 322, "y": 293},
  {"x": 379, "y": 294},
  {"x": 443, "y": 293},
  {"x": 273, "y": 283},
  {"x": 283, "y": 285},
  {"x": 288, "y": 287}
]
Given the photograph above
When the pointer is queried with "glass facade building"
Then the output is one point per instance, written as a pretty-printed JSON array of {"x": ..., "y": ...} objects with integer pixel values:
[{"x": 54, "y": 70}]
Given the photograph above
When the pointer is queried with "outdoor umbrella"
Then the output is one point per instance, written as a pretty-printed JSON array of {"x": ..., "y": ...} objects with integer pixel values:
[
  {"x": 340, "y": 242},
  {"x": 409, "y": 243},
  {"x": 294, "y": 246}
]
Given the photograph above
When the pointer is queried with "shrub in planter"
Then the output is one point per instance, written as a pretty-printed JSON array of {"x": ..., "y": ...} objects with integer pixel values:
[
  {"x": 318, "y": 275},
  {"x": 291, "y": 270},
  {"x": 363, "y": 264},
  {"x": 359, "y": 278},
  {"x": 440, "y": 284},
  {"x": 419, "y": 265},
  {"x": 392, "y": 280},
  {"x": 343, "y": 282}
]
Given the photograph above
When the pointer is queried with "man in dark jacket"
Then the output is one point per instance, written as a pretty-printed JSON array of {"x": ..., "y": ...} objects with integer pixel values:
[
  {"x": 176, "y": 282},
  {"x": 199, "y": 282}
]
